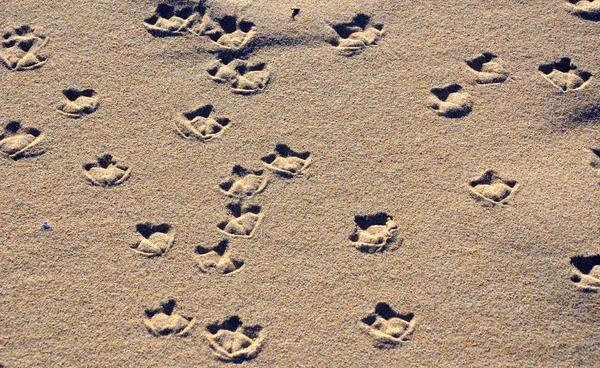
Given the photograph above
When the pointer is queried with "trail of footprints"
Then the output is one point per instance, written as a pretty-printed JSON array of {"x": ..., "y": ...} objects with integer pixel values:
[{"x": 21, "y": 49}]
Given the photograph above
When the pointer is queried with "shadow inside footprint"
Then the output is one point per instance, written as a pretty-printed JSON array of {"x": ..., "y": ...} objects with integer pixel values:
[
  {"x": 17, "y": 142},
  {"x": 286, "y": 162},
  {"x": 201, "y": 124},
  {"x": 19, "y": 49},
  {"x": 217, "y": 259},
  {"x": 388, "y": 327},
  {"x": 373, "y": 233},
  {"x": 78, "y": 103},
  {"x": 227, "y": 32},
  {"x": 242, "y": 76},
  {"x": 244, "y": 183},
  {"x": 162, "y": 321},
  {"x": 243, "y": 221},
  {"x": 488, "y": 68},
  {"x": 450, "y": 101},
  {"x": 587, "y": 274},
  {"x": 169, "y": 20},
  {"x": 564, "y": 75},
  {"x": 231, "y": 342},
  {"x": 493, "y": 189},
  {"x": 106, "y": 172},
  {"x": 585, "y": 9},
  {"x": 154, "y": 240},
  {"x": 354, "y": 36}
]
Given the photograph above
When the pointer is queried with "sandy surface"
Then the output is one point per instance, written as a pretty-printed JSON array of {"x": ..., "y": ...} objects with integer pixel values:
[{"x": 474, "y": 281}]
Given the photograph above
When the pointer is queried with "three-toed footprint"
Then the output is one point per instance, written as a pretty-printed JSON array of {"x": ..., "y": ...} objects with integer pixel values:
[
  {"x": 201, "y": 124},
  {"x": 287, "y": 162},
  {"x": 564, "y": 75},
  {"x": 154, "y": 240},
  {"x": 488, "y": 68},
  {"x": 162, "y": 321},
  {"x": 242, "y": 222},
  {"x": 492, "y": 189},
  {"x": 233, "y": 342},
  {"x": 373, "y": 233},
  {"x": 217, "y": 259},
  {"x": 244, "y": 183},
  {"x": 78, "y": 102},
  {"x": 20, "y": 47},
  {"x": 106, "y": 171},
  {"x": 388, "y": 327},
  {"x": 17, "y": 141},
  {"x": 352, "y": 37},
  {"x": 242, "y": 76},
  {"x": 450, "y": 101}
]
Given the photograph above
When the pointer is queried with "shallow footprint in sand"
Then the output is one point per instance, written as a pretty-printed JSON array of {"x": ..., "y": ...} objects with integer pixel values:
[
  {"x": 354, "y": 36},
  {"x": 17, "y": 141},
  {"x": 19, "y": 49},
  {"x": 201, "y": 124},
  {"x": 587, "y": 273},
  {"x": 154, "y": 240},
  {"x": 78, "y": 102},
  {"x": 227, "y": 32},
  {"x": 564, "y": 75},
  {"x": 493, "y": 189},
  {"x": 388, "y": 327},
  {"x": 169, "y": 20},
  {"x": 231, "y": 342},
  {"x": 217, "y": 259},
  {"x": 162, "y": 321},
  {"x": 286, "y": 162},
  {"x": 242, "y": 76},
  {"x": 450, "y": 101},
  {"x": 586, "y": 9},
  {"x": 243, "y": 220},
  {"x": 244, "y": 183},
  {"x": 373, "y": 233},
  {"x": 106, "y": 172},
  {"x": 488, "y": 68}
]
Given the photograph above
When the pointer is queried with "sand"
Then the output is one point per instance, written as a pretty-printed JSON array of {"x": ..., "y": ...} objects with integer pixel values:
[{"x": 364, "y": 184}]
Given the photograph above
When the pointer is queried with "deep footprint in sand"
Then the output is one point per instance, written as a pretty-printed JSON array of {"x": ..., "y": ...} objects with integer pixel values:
[
  {"x": 564, "y": 75},
  {"x": 488, "y": 68},
  {"x": 244, "y": 183},
  {"x": 243, "y": 221},
  {"x": 354, "y": 36},
  {"x": 241, "y": 76},
  {"x": 201, "y": 124},
  {"x": 162, "y": 321},
  {"x": 586, "y": 9},
  {"x": 20, "y": 49},
  {"x": 586, "y": 275},
  {"x": 171, "y": 20},
  {"x": 18, "y": 142},
  {"x": 373, "y": 233},
  {"x": 287, "y": 162},
  {"x": 217, "y": 259},
  {"x": 227, "y": 32},
  {"x": 106, "y": 171},
  {"x": 78, "y": 102},
  {"x": 232, "y": 342},
  {"x": 450, "y": 101},
  {"x": 154, "y": 240},
  {"x": 388, "y": 327},
  {"x": 493, "y": 189}
]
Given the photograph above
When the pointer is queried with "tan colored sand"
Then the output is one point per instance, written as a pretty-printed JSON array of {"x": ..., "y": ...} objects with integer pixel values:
[{"x": 486, "y": 284}]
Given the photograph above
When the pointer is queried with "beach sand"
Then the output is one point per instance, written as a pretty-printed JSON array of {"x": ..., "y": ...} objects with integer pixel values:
[{"x": 111, "y": 152}]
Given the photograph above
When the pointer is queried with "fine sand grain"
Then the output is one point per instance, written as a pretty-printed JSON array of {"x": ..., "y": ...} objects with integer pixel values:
[{"x": 299, "y": 183}]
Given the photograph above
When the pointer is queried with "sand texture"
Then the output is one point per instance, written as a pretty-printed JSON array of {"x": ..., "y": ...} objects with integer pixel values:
[{"x": 299, "y": 184}]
